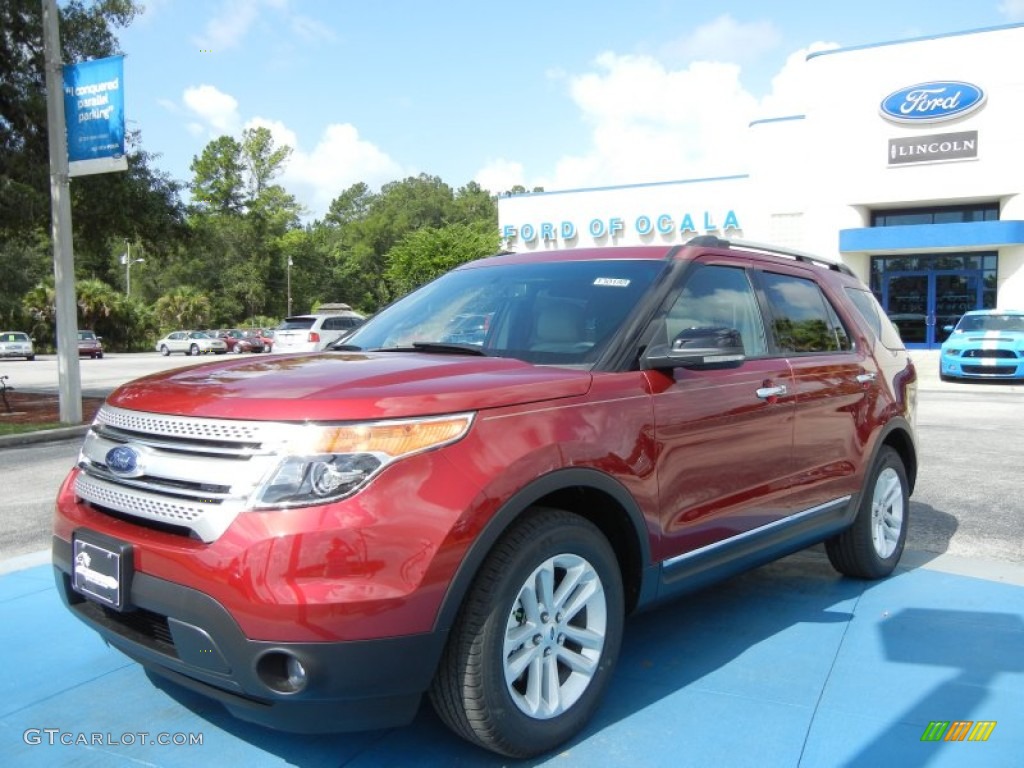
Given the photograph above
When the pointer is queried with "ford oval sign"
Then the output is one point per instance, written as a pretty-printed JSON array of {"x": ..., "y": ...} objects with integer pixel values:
[
  {"x": 932, "y": 102},
  {"x": 123, "y": 461}
]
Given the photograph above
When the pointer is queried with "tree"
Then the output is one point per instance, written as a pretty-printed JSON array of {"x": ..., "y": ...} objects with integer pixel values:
[
  {"x": 86, "y": 32},
  {"x": 474, "y": 204},
  {"x": 430, "y": 252},
  {"x": 350, "y": 205},
  {"x": 185, "y": 307},
  {"x": 142, "y": 203},
  {"x": 218, "y": 185},
  {"x": 262, "y": 160},
  {"x": 96, "y": 301},
  {"x": 41, "y": 307}
]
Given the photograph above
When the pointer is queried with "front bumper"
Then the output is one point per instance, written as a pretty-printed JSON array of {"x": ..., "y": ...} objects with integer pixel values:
[
  {"x": 987, "y": 365},
  {"x": 185, "y": 636}
]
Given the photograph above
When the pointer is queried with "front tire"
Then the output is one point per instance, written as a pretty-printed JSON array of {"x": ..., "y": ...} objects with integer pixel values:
[
  {"x": 872, "y": 546},
  {"x": 536, "y": 641},
  {"x": 193, "y": 350}
]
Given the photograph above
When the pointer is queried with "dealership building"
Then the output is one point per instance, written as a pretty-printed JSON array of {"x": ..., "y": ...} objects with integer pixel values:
[{"x": 907, "y": 164}]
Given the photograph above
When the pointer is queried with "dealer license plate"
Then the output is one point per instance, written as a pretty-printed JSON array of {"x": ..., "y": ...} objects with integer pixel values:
[{"x": 101, "y": 568}]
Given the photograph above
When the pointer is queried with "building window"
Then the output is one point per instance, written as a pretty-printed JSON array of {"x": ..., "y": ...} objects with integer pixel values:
[{"x": 940, "y": 214}]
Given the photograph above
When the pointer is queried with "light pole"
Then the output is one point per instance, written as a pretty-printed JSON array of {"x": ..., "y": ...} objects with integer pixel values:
[
  {"x": 289, "y": 274},
  {"x": 127, "y": 260}
]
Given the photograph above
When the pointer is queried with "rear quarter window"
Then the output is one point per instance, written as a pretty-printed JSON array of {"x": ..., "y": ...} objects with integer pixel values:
[{"x": 879, "y": 323}]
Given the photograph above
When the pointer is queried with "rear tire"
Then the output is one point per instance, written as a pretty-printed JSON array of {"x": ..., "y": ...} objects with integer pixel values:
[
  {"x": 164, "y": 350},
  {"x": 872, "y": 546},
  {"x": 535, "y": 643}
]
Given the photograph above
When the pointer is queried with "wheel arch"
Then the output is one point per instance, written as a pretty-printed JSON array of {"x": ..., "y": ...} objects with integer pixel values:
[
  {"x": 592, "y": 495},
  {"x": 898, "y": 435}
]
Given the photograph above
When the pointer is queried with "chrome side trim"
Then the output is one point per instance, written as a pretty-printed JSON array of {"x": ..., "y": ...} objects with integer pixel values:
[{"x": 796, "y": 519}]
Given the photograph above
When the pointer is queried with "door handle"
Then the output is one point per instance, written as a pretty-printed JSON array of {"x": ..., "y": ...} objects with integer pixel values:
[
  {"x": 866, "y": 378},
  {"x": 767, "y": 393}
]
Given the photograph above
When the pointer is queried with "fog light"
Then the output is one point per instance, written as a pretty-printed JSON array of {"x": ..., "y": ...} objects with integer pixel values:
[{"x": 282, "y": 672}]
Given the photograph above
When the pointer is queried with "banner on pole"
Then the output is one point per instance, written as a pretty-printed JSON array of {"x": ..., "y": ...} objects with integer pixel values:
[{"x": 94, "y": 114}]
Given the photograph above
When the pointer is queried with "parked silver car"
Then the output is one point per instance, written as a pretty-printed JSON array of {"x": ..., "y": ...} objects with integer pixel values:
[
  {"x": 17, "y": 344},
  {"x": 191, "y": 343}
]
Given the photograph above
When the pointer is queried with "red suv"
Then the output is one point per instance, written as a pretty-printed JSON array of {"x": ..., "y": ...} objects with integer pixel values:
[{"x": 319, "y": 541}]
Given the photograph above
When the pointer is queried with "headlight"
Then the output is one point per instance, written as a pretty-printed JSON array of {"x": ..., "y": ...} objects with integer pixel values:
[
  {"x": 952, "y": 352},
  {"x": 326, "y": 463}
]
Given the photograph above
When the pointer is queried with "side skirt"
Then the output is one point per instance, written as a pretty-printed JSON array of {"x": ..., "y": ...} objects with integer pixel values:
[{"x": 697, "y": 569}]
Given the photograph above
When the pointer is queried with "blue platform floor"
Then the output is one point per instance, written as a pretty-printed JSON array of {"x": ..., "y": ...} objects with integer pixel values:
[{"x": 788, "y": 665}]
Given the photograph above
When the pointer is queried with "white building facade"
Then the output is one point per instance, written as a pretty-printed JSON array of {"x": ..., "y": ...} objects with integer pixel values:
[{"x": 908, "y": 165}]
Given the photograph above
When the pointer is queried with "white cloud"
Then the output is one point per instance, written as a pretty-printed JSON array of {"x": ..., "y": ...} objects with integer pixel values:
[
  {"x": 725, "y": 39},
  {"x": 1013, "y": 10},
  {"x": 230, "y": 25},
  {"x": 340, "y": 159},
  {"x": 309, "y": 29},
  {"x": 233, "y": 20},
  {"x": 216, "y": 109},
  {"x": 790, "y": 84},
  {"x": 500, "y": 175},
  {"x": 650, "y": 122}
]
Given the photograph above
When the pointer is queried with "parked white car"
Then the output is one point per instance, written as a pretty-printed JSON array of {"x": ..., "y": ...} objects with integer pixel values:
[
  {"x": 17, "y": 344},
  {"x": 312, "y": 333},
  {"x": 191, "y": 343}
]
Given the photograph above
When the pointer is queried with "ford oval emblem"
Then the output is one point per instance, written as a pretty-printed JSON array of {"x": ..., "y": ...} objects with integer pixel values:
[
  {"x": 123, "y": 460},
  {"x": 932, "y": 102}
]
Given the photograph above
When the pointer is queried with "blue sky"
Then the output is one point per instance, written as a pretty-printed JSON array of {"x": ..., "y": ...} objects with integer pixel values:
[{"x": 562, "y": 94}]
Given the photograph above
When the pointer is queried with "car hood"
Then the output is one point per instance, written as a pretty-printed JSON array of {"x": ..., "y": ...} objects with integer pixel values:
[
  {"x": 347, "y": 386},
  {"x": 981, "y": 338}
]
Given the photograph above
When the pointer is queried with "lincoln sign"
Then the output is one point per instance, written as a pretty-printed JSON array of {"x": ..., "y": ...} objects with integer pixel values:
[{"x": 939, "y": 147}]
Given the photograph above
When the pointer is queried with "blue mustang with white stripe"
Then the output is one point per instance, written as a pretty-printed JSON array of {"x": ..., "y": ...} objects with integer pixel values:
[{"x": 986, "y": 344}]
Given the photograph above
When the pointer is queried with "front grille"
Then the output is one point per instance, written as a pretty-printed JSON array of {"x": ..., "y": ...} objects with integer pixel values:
[
  {"x": 997, "y": 353},
  {"x": 141, "y": 626},
  {"x": 194, "y": 474},
  {"x": 990, "y": 370}
]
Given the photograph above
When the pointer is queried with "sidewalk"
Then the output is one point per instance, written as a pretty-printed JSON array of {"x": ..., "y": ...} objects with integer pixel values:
[{"x": 788, "y": 665}]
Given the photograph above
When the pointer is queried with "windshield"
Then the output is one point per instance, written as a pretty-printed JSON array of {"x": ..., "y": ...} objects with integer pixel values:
[
  {"x": 971, "y": 323},
  {"x": 561, "y": 313}
]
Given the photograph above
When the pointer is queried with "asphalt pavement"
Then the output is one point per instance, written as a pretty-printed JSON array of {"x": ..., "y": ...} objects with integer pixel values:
[{"x": 787, "y": 665}]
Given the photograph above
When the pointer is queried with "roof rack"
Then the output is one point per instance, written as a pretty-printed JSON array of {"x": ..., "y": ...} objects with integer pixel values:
[{"x": 711, "y": 241}]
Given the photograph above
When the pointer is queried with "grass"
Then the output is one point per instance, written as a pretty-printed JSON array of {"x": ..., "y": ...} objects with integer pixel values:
[{"x": 17, "y": 429}]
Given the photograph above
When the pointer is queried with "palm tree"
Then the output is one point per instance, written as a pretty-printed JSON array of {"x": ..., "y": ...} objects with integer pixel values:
[
  {"x": 186, "y": 307},
  {"x": 96, "y": 299}
]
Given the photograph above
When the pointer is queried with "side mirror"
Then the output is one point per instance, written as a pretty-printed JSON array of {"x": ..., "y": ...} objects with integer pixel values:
[
  {"x": 697, "y": 348},
  {"x": 947, "y": 328}
]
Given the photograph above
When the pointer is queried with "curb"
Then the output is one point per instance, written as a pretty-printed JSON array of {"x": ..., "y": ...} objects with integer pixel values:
[{"x": 44, "y": 436}]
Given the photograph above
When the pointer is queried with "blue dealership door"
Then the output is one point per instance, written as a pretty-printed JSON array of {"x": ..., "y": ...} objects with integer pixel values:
[{"x": 923, "y": 303}]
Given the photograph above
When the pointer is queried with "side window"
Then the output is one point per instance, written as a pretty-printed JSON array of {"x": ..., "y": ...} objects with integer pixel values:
[
  {"x": 868, "y": 306},
  {"x": 339, "y": 323},
  {"x": 719, "y": 297},
  {"x": 802, "y": 318}
]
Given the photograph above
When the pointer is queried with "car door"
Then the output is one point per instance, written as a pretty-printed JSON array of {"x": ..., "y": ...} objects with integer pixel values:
[
  {"x": 724, "y": 435},
  {"x": 176, "y": 342},
  {"x": 833, "y": 383}
]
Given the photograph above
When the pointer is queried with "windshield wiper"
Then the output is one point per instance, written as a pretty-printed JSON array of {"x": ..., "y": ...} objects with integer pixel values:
[{"x": 438, "y": 347}]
